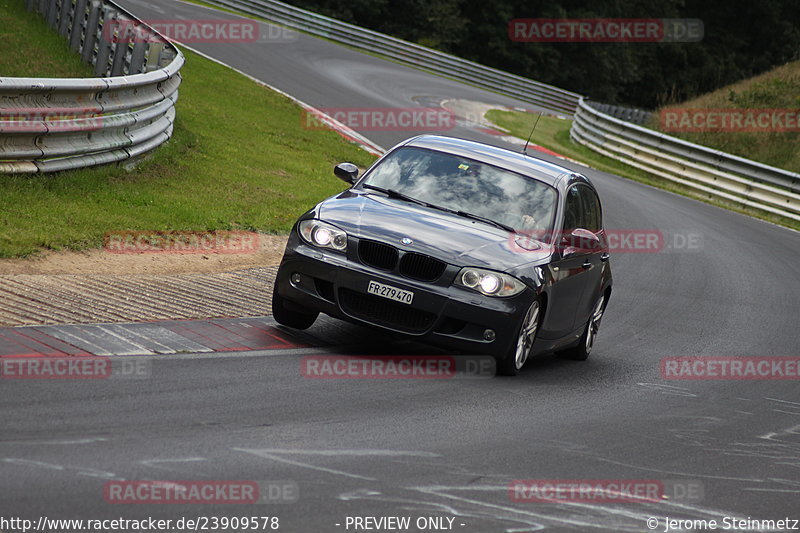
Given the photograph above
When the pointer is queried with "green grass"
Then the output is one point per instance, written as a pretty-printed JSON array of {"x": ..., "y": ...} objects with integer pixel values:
[
  {"x": 553, "y": 133},
  {"x": 777, "y": 89},
  {"x": 240, "y": 158},
  {"x": 26, "y": 38}
]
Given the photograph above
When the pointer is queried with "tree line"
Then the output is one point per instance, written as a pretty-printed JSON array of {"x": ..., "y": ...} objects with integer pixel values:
[{"x": 741, "y": 38}]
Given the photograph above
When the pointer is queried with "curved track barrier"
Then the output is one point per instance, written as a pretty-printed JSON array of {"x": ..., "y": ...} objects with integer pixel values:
[
  {"x": 540, "y": 94},
  {"x": 48, "y": 125},
  {"x": 710, "y": 172}
]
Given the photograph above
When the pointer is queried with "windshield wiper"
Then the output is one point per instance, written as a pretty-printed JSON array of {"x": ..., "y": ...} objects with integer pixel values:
[
  {"x": 391, "y": 193},
  {"x": 486, "y": 220}
]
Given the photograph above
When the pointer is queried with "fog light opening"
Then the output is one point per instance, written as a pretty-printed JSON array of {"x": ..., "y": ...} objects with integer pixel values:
[
  {"x": 489, "y": 335},
  {"x": 295, "y": 279}
]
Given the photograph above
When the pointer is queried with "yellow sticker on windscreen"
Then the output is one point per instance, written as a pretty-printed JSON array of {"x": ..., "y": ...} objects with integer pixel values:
[{"x": 463, "y": 166}]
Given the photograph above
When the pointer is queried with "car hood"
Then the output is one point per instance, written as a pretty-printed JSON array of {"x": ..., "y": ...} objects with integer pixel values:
[{"x": 446, "y": 236}]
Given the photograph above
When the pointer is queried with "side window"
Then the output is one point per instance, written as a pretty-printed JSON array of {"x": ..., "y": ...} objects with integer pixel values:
[
  {"x": 572, "y": 209},
  {"x": 591, "y": 210}
]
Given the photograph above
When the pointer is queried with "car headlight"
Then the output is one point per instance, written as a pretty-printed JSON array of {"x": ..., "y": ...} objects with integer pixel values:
[
  {"x": 489, "y": 282},
  {"x": 323, "y": 235}
]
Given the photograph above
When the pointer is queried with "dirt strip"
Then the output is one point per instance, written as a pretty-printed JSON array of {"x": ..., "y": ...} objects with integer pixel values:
[{"x": 95, "y": 286}]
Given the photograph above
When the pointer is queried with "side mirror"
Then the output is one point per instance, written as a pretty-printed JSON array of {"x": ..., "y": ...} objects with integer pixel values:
[
  {"x": 579, "y": 241},
  {"x": 347, "y": 172}
]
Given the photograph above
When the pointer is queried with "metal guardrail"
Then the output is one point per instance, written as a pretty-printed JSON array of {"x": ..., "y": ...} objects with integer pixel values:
[
  {"x": 708, "y": 171},
  {"x": 540, "y": 94},
  {"x": 48, "y": 125},
  {"x": 628, "y": 114}
]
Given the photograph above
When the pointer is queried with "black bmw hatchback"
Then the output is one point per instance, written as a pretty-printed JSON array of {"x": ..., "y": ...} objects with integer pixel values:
[{"x": 467, "y": 246}]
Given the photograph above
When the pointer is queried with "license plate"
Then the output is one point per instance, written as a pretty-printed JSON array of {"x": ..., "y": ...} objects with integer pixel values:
[{"x": 392, "y": 293}]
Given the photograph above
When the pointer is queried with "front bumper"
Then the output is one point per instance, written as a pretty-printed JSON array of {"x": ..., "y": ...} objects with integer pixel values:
[{"x": 440, "y": 314}]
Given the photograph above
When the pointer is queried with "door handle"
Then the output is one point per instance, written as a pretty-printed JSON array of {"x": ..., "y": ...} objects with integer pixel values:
[
  {"x": 604, "y": 257},
  {"x": 587, "y": 264}
]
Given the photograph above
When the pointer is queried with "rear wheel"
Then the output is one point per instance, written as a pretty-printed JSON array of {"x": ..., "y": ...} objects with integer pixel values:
[
  {"x": 584, "y": 348},
  {"x": 518, "y": 355},
  {"x": 290, "y": 315}
]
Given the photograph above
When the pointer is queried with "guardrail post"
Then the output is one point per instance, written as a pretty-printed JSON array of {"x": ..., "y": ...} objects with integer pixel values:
[
  {"x": 63, "y": 18},
  {"x": 52, "y": 13},
  {"x": 78, "y": 18},
  {"x": 101, "y": 66},
  {"x": 165, "y": 57},
  {"x": 153, "y": 56},
  {"x": 124, "y": 32},
  {"x": 137, "y": 56},
  {"x": 90, "y": 32}
]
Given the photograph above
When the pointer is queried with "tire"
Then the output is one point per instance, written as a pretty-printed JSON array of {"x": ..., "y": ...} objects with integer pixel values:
[
  {"x": 516, "y": 357},
  {"x": 584, "y": 347},
  {"x": 288, "y": 317}
]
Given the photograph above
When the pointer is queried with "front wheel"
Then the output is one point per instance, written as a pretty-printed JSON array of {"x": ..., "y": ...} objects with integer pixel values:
[
  {"x": 515, "y": 359},
  {"x": 584, "y": 348},
  {"x": 288, "y": 317}
]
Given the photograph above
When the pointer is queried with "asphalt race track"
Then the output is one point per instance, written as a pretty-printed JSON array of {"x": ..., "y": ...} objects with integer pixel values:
[{"x": 723, "y": 285}]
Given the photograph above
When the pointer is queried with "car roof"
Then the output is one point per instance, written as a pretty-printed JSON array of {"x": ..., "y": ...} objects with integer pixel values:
[{"x": 493, "y": 155}]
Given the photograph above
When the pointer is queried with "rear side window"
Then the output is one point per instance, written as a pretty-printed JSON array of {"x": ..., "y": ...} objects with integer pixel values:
[
  {"x": 573, "y": 209},
  {"x": 582, "y": 209},
  {"x": 592, "y": 214}
]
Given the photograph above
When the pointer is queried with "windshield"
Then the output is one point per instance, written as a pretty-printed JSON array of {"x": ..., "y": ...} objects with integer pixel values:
[{"x": 462, "y": 184}]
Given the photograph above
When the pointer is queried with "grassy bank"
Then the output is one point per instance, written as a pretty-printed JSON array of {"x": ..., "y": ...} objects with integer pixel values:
[
  {"x": 228, "y": 166},
  {"x": 777, "y": 89}
]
